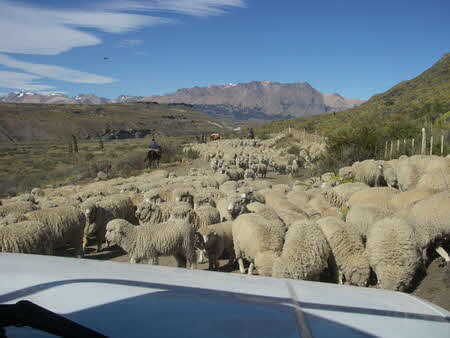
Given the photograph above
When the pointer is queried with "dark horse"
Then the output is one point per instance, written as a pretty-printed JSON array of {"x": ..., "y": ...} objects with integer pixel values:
[{"x": 153, "y": 158}]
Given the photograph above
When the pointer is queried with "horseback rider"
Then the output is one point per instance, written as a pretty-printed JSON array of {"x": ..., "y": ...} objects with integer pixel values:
[
  {"x": 155, "y": 146},
  {"x": 251, "y": 134}
]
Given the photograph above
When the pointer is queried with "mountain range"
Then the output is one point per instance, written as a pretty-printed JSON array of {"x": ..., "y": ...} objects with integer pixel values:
[
  {"x": 259, "y": 99},
  {"x": 59, "y": 98}
]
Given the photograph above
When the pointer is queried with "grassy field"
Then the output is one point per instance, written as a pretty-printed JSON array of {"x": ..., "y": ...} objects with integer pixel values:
[
  {"x": 25, "y": 165},
  {"x": 37, "y": 122}
]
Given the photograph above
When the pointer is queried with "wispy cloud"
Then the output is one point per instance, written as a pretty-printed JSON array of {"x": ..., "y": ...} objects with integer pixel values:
[
  {"x": 54, "y": 72},
  {"x": 24, "y": 81},
  {"x": 31, "y": 29},
  {"x": 129, "y": 43},
  {"x": 188, "y": 7}
]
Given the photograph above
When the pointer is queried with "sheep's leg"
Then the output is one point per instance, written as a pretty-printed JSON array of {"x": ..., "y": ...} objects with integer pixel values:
[
  {"x": 99, "y": 242},
  {"x": 340, "y": 280},
  {"x": 85, "y": 240},
  {"x": 250, "y": 268},
  {"x": 440, "y": 250},
  {"x": 181, "y": 261},
  {"x": 241, "y": 265}
]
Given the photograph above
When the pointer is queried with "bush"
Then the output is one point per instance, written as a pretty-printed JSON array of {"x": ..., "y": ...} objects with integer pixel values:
[{"x": 192, "y": 154}]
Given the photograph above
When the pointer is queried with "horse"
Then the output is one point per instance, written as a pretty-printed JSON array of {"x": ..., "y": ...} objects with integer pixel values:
[{"x": 153, "y": 157}]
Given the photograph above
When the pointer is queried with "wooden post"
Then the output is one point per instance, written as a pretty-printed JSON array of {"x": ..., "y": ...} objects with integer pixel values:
[
  {"x": 442, "y": 144},
  {"x": 398, "y": 148},
  {"x": 289, "y": 130},
  {"x": 392, "y": 150},
  {"x": 413, "y": 151},
  {"x": 386, "y": 150},
  {"x": 404, "y": 147},
  {"x": 431, "y": 144},
  {"x": 424, "y": 142}
]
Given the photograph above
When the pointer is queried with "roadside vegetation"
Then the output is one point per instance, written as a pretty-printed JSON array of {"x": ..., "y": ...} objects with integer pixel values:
[{"x": 24, "y": 166}]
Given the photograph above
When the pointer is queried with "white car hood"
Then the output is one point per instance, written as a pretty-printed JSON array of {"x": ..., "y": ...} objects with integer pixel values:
[{"x": 125, "y": 300}]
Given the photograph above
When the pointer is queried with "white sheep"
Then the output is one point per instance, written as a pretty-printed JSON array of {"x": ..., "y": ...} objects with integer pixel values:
[
  {"x": 351, "y": 261},
  {"x": 146, "y": 243},
  {"x": 258, "y": 241},
  {"x": 394, "y": 253},
  {"x": 217, "y": 239},
  {"x": 305, "y": 253},
  {"x": 339, "y": 195},
  {"x": 17, "y": 207},
  {"x": 27, "y": 237},
  {"x": 64, "y": 225},
  {"x": 99, "y": 211},
  {"x": 205, "y": 215},
  {"x": 379, "y": 197}
]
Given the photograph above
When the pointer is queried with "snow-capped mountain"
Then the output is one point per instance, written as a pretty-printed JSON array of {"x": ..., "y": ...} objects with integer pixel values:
[{"x": 127, "y": 98}]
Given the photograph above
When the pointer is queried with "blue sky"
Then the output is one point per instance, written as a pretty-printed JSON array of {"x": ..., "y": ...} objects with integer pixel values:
[{"x": 354, "y": 48}]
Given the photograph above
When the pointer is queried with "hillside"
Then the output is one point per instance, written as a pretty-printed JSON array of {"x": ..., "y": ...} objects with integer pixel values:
[
  {"x": 424, "y": 100},
  {"x": 259, "y": 100},
  {"x": 30, "y": 122}
]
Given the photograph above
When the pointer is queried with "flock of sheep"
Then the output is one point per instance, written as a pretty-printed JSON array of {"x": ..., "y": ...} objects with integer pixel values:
[{"x": 381, "y": 230}]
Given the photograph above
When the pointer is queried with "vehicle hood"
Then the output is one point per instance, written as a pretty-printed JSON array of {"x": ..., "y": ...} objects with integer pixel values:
[{"x": 127, "y": 300}]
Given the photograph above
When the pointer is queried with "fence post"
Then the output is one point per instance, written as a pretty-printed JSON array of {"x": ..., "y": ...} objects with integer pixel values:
[
  {"x": 413, "y": 151},
  {"x": 424, "y": 142},
  {"x": 398, "y": 147},
  {"x": 442, "y": 144},
  {"x": 431, "y": 144},
  {"x": 392, "y": 149},
  {"x": 404, "y": 147},
  {"x": 386, "y": 150}
]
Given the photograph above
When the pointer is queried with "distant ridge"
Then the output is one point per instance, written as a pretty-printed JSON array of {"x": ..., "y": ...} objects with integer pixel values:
[{"x": 259, "y": 99}]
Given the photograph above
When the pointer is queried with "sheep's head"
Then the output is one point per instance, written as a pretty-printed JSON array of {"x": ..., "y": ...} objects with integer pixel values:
[
  {"x": 389, "y": 176},
  {"x": 182, "y": 211},
  {"x": 145, "y": 210},
  {"x": 238, "y": 206},
  {"x": 90, "y": 210},
  {"x": 264, "y": 262},
  {"x": 153, "y": 196},
  {"x": 116, "y": 230}
]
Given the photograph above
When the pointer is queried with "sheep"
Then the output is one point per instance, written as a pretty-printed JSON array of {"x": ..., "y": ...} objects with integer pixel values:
[
  {"x": 232, "y": 206},
  {"x": 368, "y": 171},
  {"x": 233, "y": 174},
  {"x": 12, "y": 218},
  {"x": 64, "y": 225},
  {"x": 16, "y": 207},
  {"x": 289, "y": 217},
  {"x": 295, "y": 168},
  {"x": 207, "y": 196},
  {"x": 339, "y": 195},
  {"x": 350, "y": 258},
  {"x": 278, "y": 202},
  {"x": 271, "y": 215},
  {"x": 29, "y": 237},
  {"x": 430, "y": 218},
  {"x": 229, "y": 187},
  {"x": 394, "y": 253},
  {"x": 437, "y": 181},
  {"x": 249, "y": 174},
  {"x": 217, "y": 239},
  {"x": 406, "y": 199},
  {"x": 183, "y": 195},
  {"x": 256, "y": 240},
  {"x": 146, "y": 243},
  {"x": 206, "y": 215},
  {"x": 152, "y": 213},
  {"x": 261, "y": 170},
  {"x": 360, "y": 219},
  {"x": 379, "y": 197},
  {"x": 305, "y": 253},
  {"x": 99, "y": 211}
]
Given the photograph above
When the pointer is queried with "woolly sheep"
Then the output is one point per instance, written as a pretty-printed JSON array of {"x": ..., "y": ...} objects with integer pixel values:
[
  {"x": 146, "y": 243},
  {"x": 152, "y": 213},
  {"x": 379, "y": 197},
  {"x": 339, "y": 195},
  {"x": 64, "y": 225},
  {"x": 249, "y": 174},
  {"x": 261, "y": 170},
  {"x": 430, "y": 218},
  {"x": 207, "y": 196},
  {"x": 206, "y": 215},
  {"x": 99, "y": 211},
  {"x": 217, "y": 239},
  {"x": 360, "y": 219},
  {"x": 12, "y": 218},
  {"x": 29, "y": 237},
  {"x": 257, "y": 241},
  {"x": 305, "y": 253},
  {"x": 394, "y": 253},
  {"x": 16, "y": 207},
  {"x": 352, "y": 263},
  {"x": 408, "y": 198},
  {"x": 232, "y": 206}
]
